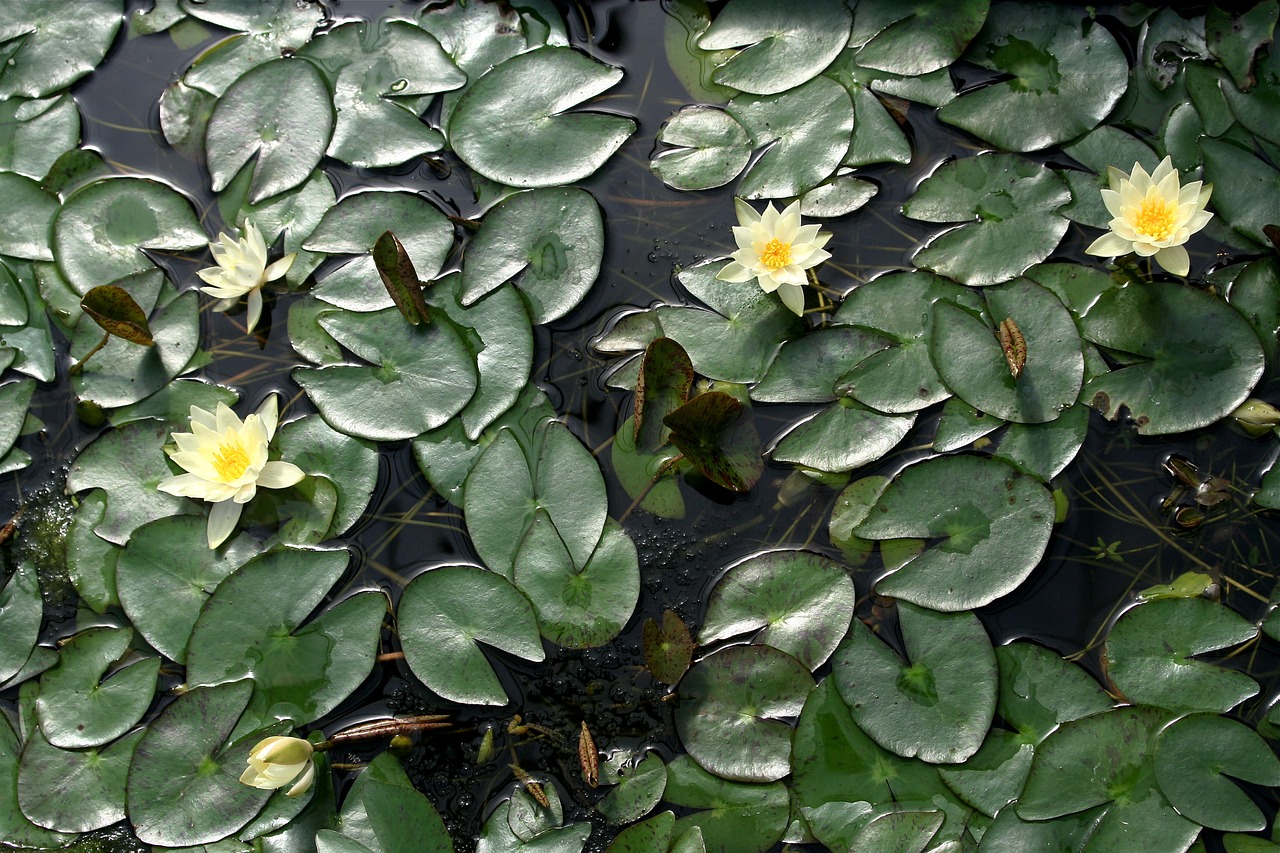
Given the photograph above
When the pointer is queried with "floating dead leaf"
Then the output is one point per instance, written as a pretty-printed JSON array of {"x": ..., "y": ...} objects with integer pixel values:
[
  {"x": 117, "y": 312},
  {"x": 715, "y": 433},
  {"x": 666, "y": 375},
  {"x": 1013, "y": 344},
  {"x": 588, "y": 757}
]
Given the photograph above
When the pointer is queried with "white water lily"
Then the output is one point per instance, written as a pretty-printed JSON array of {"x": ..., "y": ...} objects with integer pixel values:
[
  {"x": 226, "y": 461},
  {"x": 279, "y": 761},
  {"x": 775, "y": 249},
  {"x": 242, "y": 269},
  {"x": 1153, "y": 215}
]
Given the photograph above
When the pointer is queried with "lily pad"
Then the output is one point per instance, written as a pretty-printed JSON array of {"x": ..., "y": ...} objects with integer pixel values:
[
  {"x": 1196, "y": 357},
  {"x": 795, "y": 601},
  {"x": 717, "y": 436},
  {"x": 27, "y": 218},
  {"x": 75, "y": 709},
  {"x": 1149, "y": 655},
  {"x": 91, "y": 560},
  {"x": 837, "y": 196},
  {"x": 708, "y": 148},
  {"x": 184, "y": 786},
  {"x": 807, "y": 369},
  {"x": 425, "y": 376},
  {"x": 1045, "y": 450},
  {"x": 842, "y": 437},
  {"x": 263, "y": 32},
  {"x": 445, "y": 611},
  {"x": 548, "y": 242},
  {"x": 939, "y": 702},
  {"x": 1195, "y": 754},
  {"x": 902, "y": 377},
  {"x": 21, "y": 612},
  {"x": 668, "y": 650},
  {"x": 511, "y": 127},
  {"x": 74, "y": 790},
  {"x": 969, "y": 357},
  {"x": 51, "y": 49},
  {"x": 785, "y": 49},
  {"x": 735, "y": 817},
  {"x": 279, "y": 111},
  {"x": 15, "y": 826},
  {"x": 991, "y": 523},
  {"x": 1246, "y": 188},
  {"x": 34, "y": 135},
  {"x": 1039, "y": 690},
  {"x": 1062, "y": 69},
  {"x": 384, "y": 812},
  {"x": 914, "y": 38},
  {"x": 732, "y": 710},
  {"x": 1009, "y": 206},
  {"x": 805, "y": 132},
  {"x": 637, "y": 792},
  {"x": 666, "y": 376}
]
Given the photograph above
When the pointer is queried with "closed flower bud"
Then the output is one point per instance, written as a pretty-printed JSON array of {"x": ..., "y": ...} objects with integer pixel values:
[
  {"x": 280, "y": 761},
  {"x": 1256, "y": 417}
]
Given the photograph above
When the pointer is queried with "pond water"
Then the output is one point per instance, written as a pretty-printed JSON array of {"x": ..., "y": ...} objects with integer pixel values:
[{"x": 745, "y": 768}]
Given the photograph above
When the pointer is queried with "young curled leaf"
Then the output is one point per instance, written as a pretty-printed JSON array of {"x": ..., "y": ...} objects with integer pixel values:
[
  {"x": 588, "y": 757},
  {"x": 400, "y": 278},
  {"x": 1013, "y": 344},
  {"x": 117, "y": 312}
]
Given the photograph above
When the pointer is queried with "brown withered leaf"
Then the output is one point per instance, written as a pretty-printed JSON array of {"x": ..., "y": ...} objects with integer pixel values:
[
  {"x": 1013, "y": 344},
  {"x": 400, "y": 278},
  {"x": 588, "y": 757}
]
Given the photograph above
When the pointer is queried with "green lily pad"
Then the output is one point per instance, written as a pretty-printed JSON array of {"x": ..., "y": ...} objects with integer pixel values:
[
  {"x": 34, "y": 135},
  {"x": 184, "y": 785},
  {"x": 851, "y": 509},
  {"x": 1255, "y": 293},
  {"x": 668, "y": 650},
  {"x": 805, "y": 132},
  {"x": 961, "y": 425},
  {"x": 1009, "y": 207},
  {"x": 21, "y": 612},
  {"x": 795, "y": 601},
  {"x": 511, "y": 127},
  {"x": 16, "y": 827},
  {"x": 1105, "y": 759},
  {"x": 384, "y": 812},
  {"x": 74, "y": 791},
  {"x": 842, "y": 437},
  {"x": 637, "y": 792},
  {"x": 715, "y": 433},
  {"x": 1010, "y": 834},
  {"x": 102, "y": 229},
  {"x": 652, "y": 834},
  {"x": 666, "y": 376},
  {"x": 1045, "y": 450},
  {"x": 902, "y": 377},
  {"x": 279, "y": 111},
  {"x": 508, "y": 484},
  {"x": 496, "y": 836},
  {"x": 1197, "y": 357},
  {"x": 936, "y": 705},
  {"x": 914, "y": 38},
  {"x": 548, "y": 242},
  {"x": 837, "y": 196},
  {"x": 128, "y": 463},
  {"x": 992, "y": 524},
  {"x": 969, "y": 358},
  {"x": 350, "y": 464},
  {"x": 77, "y": 711},
  {"x": 91, "y": 560},
  {"x": 735, "y": 817},
  {"x": 578, "y": 607},
  {"x": 993, "y": 776},
  {"x": 738, "y": 339},
  {"x": 32, "y": 345},
  {"x": 1149, "y": 655},
  {"x": 1195, "y": 754},
  {"x": 1061, "y": 69},
  {"x": 263, "y": 32},
  {"x": 807, "y": 369},
  {"x": 708, "y": 148},
  {"x": 14, "y": 396},
  {"x": 27, "y": 218},
  {"x": 1246, "y": 188},
  {"x": 375, "y": 80},
  {"x": 425, "y": 376},
  {"x": 165, "y": 574},
  {"x": 732, "y": 710},
  {"x": 444, "y": 612},
  {"x": 1224, "y": 102},
  {"x": 784, "y": 50},
  {"x": 1039, "y": 690},
  {"x": 1233, "y": 36},
  {"x": 48, "y": 49}
]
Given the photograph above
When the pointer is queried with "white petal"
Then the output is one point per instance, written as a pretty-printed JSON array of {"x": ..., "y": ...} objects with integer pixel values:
[
  {"x": 792, "y": 296},
  {"x": 202, "y": 416},
  {"x": 747, "y": 215},
  {"x": 279, "y": 268},
  {"x": 227, "y": 420},
  {"x": 805, "y": 234},
  {"x": 1174, "y": 259},
  {"x": 1111, "y": 199},
  {"x": 1145, "y": 249},
  {"x": 1163, "y": 170},
  {"x": 222, "y": 520},
  {"x": 304, "y": 782},
  {"x": 742, "y": 236},
  {"x": 734, "y": 271},
  {"x": 254, "y": 308},
  {"x": 769, "y": 220},
  {"x": 184, "y": 486},
  {"x": 1116, "y": 178},
  {"x": 279, "y": 475},
  {"x": 1109, "y": 245}
]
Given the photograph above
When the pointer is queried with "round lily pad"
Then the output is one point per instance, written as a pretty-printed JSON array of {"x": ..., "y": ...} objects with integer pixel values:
[
  {"x": 1149, "y": 655},
  {"x": 1195, "y": 754},
  {"x": 548, "y": 242},
  {"x": 444, "y": 612},
  {"x": 1010, "y": 208},
  {"x": 938, "y": 703},
  {"x": 917, "y": 37},
  {"x": 806, "y": 369},
  {"x": 1190, "y": 357},
  {"x": 785, "y": 49},
  {"x": 511, "y": 127},
  {"x": 1039, "y": 690},
  {"x": 795, "y": 601},
  {"x": 424, "y": 376},
  {"x": 992, "y": 524},
  {"x": 708, "y": 148},
  {"x": 734, "y": 817},
  {"x": 74, "y": 790},
  {"x": 51, "y": 48},
  {"x": 1059, "y": 67},
  {"x": 279, "y": 111},
  {"x": 970, "y": 359}
]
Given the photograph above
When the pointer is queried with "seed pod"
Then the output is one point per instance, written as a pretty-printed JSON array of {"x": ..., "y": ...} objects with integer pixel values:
[
  {"x": 534, "y": 789},
  {"x": 588, "y": 757},
  {"x": 1013, "y": 344}
]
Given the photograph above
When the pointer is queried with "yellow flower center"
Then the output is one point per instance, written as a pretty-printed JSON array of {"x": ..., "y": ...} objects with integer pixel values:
[
  {"x": 776, "y": 254},
  {"x": 1156, "y": 218},
  {"x": 230, "y": 461}
]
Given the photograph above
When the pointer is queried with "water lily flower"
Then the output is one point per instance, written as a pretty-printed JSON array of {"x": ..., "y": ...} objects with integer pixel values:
[
  {"x": 279, "y": 761},
  {"x": 1153, "y": 215},
  {"x": 226, "y": 461},
  {"x": 775, "y": 250},
  {"x": 242, "y": 269}
]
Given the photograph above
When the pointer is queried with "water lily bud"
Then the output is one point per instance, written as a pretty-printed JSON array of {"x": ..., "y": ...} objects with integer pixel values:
[
  {"x": 1256, "y": 416},
  {"x": 279, "y": 761}
]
